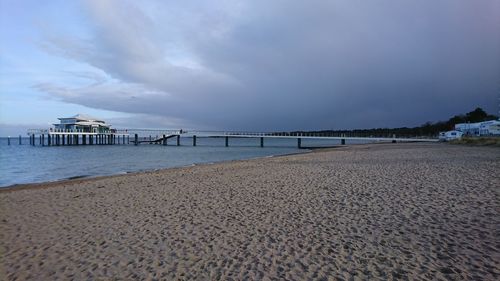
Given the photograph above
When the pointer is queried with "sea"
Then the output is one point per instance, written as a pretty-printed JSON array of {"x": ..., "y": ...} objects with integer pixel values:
[{"x": 23, "y": 163}]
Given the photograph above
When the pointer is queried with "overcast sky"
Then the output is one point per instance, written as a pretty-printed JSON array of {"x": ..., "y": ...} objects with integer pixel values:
[{"x": 248, "y": 65}]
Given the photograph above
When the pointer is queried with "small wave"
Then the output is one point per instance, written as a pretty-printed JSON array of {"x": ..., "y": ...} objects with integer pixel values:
[{"x": 76, "y": 177}]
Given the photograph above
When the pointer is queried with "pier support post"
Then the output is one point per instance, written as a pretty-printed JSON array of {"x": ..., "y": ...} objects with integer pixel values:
[
  {"x": 261, "y": 141},
  {"x": 299, "y": 143},
  {"x": 43, "y": 140},
  {"x": 20, "y": 142},
  {"x": 164, "y": 140},
  {"x": 194, "y": 140},
  {"x": 342, "y": 141},
  {"x": 227, "y": 141},
  {"x": 40, "y": 137},
  {"x": 178, "y": 140},
  {"x": 136, "y": 142},
  {"x": 8, "y": 140},
  {"x": 63, "y": 137},
  {"x": 84, "y": 139},
  {"x": 49, "y": 140},
  {"x": 128, "y": 139}
]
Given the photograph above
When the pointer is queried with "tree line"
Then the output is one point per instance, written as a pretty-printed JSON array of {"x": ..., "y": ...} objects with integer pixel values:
[{"x": 428, "y": 129}]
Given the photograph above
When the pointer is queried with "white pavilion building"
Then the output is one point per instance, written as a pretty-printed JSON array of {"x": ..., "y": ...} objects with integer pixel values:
[{"x": 82, "y": 123}]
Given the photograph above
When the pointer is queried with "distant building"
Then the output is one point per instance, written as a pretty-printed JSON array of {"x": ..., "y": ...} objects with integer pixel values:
[
  {"x": 486, "y": 128},
  {"x": 450, "y": 135},
  {"x": 82, "y": 123}
]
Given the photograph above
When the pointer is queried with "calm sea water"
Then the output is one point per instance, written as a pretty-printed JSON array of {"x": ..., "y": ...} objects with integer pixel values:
[{"x": 28, "y": 164}]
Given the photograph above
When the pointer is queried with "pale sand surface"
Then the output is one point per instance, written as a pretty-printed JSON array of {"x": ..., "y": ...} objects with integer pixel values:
[{"x": 386, "y": 212}]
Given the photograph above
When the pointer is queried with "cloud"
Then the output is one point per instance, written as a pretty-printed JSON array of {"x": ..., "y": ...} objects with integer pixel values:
[{"x": 265, "y": 65}]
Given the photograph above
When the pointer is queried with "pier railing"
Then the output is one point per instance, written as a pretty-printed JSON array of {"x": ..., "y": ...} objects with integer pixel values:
[{"x": 161, "y": 136}]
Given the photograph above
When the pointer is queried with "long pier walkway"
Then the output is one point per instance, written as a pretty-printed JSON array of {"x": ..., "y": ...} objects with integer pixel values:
[{"x": 44, "y": 137}]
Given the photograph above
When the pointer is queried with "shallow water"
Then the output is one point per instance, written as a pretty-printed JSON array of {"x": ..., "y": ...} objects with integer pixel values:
[{"x": 27, "y": 164}]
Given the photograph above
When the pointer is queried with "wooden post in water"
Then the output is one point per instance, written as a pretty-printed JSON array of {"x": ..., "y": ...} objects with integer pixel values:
[
  {"x": 299, "y": 143},
  {"x": 43, "y": 140},
  {"x": 8, "y": 140},
  {"x": 20, "y": 140},
  {"x": 164, "y": 140},
  {"x": 40, "y": 137},
  {"x": 84, "y": 139},
  {"x": 136, "y": 142},
  {"x": 342, "y": 141},
  {"x": 49, "y": 140},
  {"x": 178, "y": 140},
  {"x": 227, "y": 141},
  {"x": 194, "y": 140},
  {"x": 128, "y": 139},
  {"x": 261, "y": 141}
]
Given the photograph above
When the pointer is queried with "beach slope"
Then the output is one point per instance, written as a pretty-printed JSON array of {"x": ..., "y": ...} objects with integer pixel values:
[{"x": 386, "y": 212}]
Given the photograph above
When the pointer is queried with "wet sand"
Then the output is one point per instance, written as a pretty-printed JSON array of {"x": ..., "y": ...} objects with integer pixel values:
[{"x": 372, "y": 212}]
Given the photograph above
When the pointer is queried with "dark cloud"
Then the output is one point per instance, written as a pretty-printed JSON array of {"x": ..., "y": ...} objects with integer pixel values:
[{"x": 264, "y": 65}]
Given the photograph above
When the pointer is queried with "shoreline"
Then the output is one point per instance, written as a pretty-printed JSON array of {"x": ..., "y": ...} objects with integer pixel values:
[
  {"x": 83, "y": 178},
  {"x": 80, "y": 178},
  {"x": 391, "y": 211}
]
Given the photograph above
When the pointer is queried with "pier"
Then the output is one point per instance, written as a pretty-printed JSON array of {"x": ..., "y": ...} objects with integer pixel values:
[{"x": 44, "y": 137}]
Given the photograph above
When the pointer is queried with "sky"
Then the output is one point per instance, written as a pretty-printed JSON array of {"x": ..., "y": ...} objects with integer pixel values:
[{"x": 247, "y": 65}]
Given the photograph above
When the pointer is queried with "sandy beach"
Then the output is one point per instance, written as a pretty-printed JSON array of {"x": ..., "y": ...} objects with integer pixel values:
[{"x": 365, "y": 212}]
